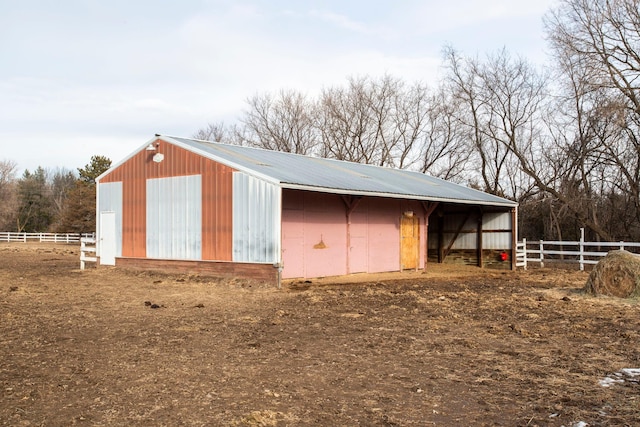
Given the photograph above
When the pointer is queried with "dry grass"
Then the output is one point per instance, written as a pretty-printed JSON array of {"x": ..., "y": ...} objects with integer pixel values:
[{"x": 448, "y": 347}]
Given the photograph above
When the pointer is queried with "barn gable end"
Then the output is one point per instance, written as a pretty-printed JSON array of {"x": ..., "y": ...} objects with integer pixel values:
[{"x": 140, "y": 173}]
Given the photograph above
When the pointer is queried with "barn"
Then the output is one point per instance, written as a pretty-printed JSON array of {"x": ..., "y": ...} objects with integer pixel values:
[{"x": 181, "y": 204}]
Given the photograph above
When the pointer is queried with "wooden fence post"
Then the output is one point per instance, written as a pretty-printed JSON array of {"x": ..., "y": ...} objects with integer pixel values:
[
  {"x": 84, "y": 250},
  {"x": 541, "y": 254},
  {"x": 82, "y": 245},
  {"x": 581, "y": 249}
]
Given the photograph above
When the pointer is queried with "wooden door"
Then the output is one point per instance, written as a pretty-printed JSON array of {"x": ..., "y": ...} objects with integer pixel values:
[{"x": 409, "y": 242}]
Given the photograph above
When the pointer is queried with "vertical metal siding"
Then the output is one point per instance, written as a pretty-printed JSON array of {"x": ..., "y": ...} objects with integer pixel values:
[
  {"x": 497, "y": 221},
  {"x": 216, "y": 197},
  {"x": 255, "y": 220},
  {"x": 217, "y": 212},
  {"x": 174, "y": 218},
  {"x": 496, "y": 240},
  {"x": 495, "y": 226},
  {"x": 110, "y": 199},
  {"x": 464, "y": 240},
  {"x": 293, "y": 260}
]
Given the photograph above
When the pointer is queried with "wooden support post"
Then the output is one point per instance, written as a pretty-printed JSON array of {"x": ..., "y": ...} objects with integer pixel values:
[
  {"x": 581, "y": 249},
  {"x": 479, "y": 240},
  {"x": 455, "y": 236},
  {"x": 428, "y": 207},
  {"x": 440, "y": 239},
  {"x": 514, "y": 239}
]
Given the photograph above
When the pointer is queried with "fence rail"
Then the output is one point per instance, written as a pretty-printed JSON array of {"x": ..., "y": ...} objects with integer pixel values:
[
  {"x": 87, "y": 251},
  {"x": 580, "y": 252},
  {"x": 9, "y": 236}
]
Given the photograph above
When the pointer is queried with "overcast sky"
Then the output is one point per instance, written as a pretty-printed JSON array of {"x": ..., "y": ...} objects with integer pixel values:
[{"x": 85, "y": 77}]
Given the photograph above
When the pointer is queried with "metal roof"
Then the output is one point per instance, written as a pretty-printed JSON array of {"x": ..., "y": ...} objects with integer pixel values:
[
  {"x": 296, "y": 171},
  {"x": 327, "y": 175}
]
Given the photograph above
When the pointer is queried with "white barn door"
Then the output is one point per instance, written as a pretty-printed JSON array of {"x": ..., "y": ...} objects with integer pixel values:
[{"x": 107, "y": 238}]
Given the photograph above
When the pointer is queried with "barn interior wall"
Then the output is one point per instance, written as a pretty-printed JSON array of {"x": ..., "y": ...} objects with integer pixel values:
[{"x": 459, "y": 233}]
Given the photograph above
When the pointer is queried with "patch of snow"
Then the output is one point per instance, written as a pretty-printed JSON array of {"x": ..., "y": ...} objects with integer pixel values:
[
  {"x": 624, "y": 375},
  {"x": 631, "y": 372},
  {"x": 608, "y": 381}
]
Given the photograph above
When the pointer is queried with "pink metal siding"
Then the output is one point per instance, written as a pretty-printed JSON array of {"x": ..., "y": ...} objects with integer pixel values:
[
  {"x": 325, "y": 236},
  {"x": 359, "y": 240},
  {"x": 384, "y": 235},
  {"x": 293, "y": 242},
  {"x": 317, "y": 241}
]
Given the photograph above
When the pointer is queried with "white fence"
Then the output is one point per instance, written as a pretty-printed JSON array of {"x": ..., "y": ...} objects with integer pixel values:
[
  {"x": 580, "y": 252},
  {"x": 87, "y": 251},
  {"x": 8, "y": 236}
]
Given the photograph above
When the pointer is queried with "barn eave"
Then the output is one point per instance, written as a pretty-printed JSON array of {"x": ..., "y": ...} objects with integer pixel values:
[{"x": 352, "y": 192}]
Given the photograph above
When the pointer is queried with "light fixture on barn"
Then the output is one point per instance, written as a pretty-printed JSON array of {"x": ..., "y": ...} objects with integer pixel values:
[
  {"x": 408, "y": 214},
  {"x": 151, "y": 147}
]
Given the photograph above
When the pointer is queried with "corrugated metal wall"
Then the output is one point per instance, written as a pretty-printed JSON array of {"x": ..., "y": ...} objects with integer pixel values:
[
  {"x": 174, "y": 218},
  {"x": 468, "y": 238},
  {"x": 495, "y": 235},
  {"x": 256, "y": 220},
  {"x": 493, "y": 238},
  {"x": 217, "y": 239},
  {"x": 110, "y": 199},
  {"x": 318, "y": 239}
]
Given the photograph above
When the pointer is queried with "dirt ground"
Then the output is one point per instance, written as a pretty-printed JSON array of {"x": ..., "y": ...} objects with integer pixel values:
[{"x": 449, "y": 347}]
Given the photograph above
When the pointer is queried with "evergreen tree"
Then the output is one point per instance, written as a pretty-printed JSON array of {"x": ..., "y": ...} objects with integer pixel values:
[
  {"x": 79, "y": 213},
  {"x": 34, "y": 202},
  {"x": 97, "y": 166}
]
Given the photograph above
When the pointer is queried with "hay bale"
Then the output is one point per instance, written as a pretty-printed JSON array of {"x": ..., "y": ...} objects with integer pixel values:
[{"x": 617, "y": 275}]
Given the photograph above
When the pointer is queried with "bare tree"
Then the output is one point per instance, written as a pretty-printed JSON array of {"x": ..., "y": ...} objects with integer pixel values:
[
  {"x": 494, "y": 113},
  {"x": 596, "y": 43},
  {"x": 215, "y": 132},
  {"x": 514, "y": 103},
  {"x": 60, "y": 183},
  {"x": 375, "y": 121},
  {"x": 7, "y": 194},
  {"x": 444, "y": 149},
  {"x": 284, "y": 122},
  {"x": 346, "y": 123},
  {"x": 568, "y": 150}
]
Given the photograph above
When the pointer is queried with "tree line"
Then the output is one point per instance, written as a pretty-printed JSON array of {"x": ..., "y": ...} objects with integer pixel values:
[
  {"x": 46, "y": 200},
  {"x": 563, "y": 140}
]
